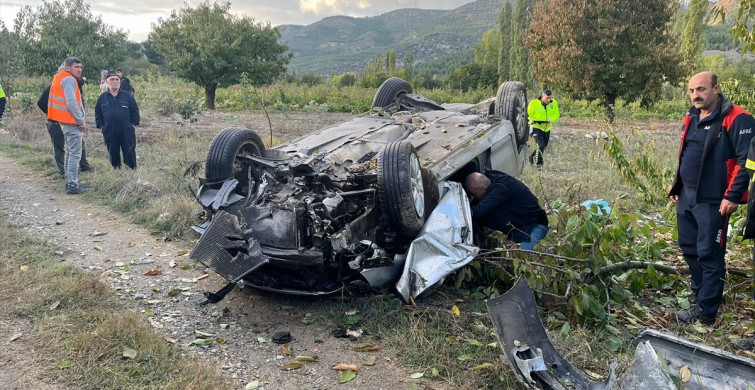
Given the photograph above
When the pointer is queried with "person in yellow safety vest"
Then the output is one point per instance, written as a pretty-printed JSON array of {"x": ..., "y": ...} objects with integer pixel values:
[
  {"x": 542, "y": 114},
  {"x": 2, "y": 102},
  {"x": 66, "y": 107}
]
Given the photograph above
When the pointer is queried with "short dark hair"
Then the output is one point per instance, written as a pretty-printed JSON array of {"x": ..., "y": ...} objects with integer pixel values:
[
  {"x": 119, "y": 70},
  {"x": 70, "y": 61},
  {"x": 111, "y": 73},
  {"x": 547, "y": 92}
]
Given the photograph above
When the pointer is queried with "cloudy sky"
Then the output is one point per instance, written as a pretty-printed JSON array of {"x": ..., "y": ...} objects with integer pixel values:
[{"x": 136, "y": 16}]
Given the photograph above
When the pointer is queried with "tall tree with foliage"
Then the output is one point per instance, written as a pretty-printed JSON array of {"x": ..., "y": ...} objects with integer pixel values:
[
  {"x": 209, "y": 46},
  {"x": 605, "y": 49},
  {"x": 486, "y": 55},
  {"x": 504, "y": 34},
  {"x": 409, "y": 66},
  {"x": 693, "y": 34},
  {"x": 742, "y": 29},
  {"x": 56, "y": 30},
  {"x": 390, "y": 61},
  {"x": 518, "y": 55}
]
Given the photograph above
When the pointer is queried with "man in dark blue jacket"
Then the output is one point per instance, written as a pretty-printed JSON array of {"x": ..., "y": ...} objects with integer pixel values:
[
  {"x": 116, "y": 113},
  {"x": 710, "y": 184},
  {"x": 503, "y": 203}
]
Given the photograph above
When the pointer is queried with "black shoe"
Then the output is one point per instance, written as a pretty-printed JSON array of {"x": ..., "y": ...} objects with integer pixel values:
[
  {"x": 743, "y": 344},
  {"x": 85, "y": 168},
  {"x": 693, "y": 314},
  {"x": 75, "y": 189}
]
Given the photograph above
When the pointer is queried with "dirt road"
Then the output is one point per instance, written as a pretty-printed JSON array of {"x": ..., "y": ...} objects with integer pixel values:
[{"x": 95, "y": 239}]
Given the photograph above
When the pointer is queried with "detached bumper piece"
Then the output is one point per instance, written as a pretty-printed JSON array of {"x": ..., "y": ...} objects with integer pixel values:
[
  {"x": 662, "y": 361},
  {"x": 527, "y": 348},
  {"x": 710, "y": 368}
]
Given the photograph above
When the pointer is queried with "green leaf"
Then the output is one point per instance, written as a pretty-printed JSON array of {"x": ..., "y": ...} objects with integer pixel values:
[
  {"x": 565, "y": 329},
  {"x": 465, "y": 357},
  {"x": 64, "y": 364},
  {"x": 347, "y": 376},
  {"x": 474, "y": 342},
  {"x": 252, "y": 385},
  {"x": 483, "y": 366},
  {"x": 435, "y": 372},
  {"x": 417, "y": 375},
  {"x": 683, "y": 303},
  {"x": 201, "y": 342}
]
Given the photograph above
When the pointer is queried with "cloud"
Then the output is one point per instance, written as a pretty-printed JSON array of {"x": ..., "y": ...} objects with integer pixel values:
[{"x": 320, "y": 6}]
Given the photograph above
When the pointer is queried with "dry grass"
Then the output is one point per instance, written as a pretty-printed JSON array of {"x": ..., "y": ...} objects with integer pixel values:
[
  {"x": 81, "y": 342},
  {"x": 429, "y": 338}
]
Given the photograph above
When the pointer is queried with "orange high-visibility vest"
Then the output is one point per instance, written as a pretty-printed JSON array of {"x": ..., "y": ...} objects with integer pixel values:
[{"x": 57, "y": 109}]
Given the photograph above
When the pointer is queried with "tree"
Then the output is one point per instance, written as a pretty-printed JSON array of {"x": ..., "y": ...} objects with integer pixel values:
[
  {"x": 390, "y": 61},
  {"x": 409, "y": 66},
  {"x": 518, "y": 55},
  {"x": 486, "y": 56},
  {"x": 210, "y": 47},
  {"x": 605, "y": 48},
  {"x": 742, "y": 30},
  {"x": 60, "y": 29},
  {"x": 693, "y": 34},
  {"x": 504, "y": 33}
]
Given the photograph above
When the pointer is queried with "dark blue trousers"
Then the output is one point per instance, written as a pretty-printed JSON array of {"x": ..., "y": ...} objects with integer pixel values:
[
  {"x": 702, "y": 238},
  {"x": 121, "y": 141}
]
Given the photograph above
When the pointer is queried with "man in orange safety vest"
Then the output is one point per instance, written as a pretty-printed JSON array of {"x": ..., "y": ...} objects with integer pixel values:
[{"x": 66, "y": 107}]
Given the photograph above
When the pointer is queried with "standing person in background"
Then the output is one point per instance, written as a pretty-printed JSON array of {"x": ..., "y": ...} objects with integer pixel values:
[
  {"x": 125, "y": 82},
  {"x": 57, "y": 137},
  {"x": 66, "y": 107},
  {"x": 542, "y": 114},
  {"x": 710, "y": 183},
  {"x": 2, "y": 102},
  {"x": 116, "y": 114}
]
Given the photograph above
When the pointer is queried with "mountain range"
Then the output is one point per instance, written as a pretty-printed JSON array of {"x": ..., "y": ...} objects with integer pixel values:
[{"x": 340, "y": 44}]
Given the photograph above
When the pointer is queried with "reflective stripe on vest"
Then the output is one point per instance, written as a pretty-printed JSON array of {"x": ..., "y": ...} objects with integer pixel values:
[{"x": 57, "y": 109}]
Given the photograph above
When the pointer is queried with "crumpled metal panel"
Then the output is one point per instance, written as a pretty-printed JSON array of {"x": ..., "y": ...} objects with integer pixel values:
[
  {"x": 442, "y": 246},
  {"x": 218, "y": 198},
  {"x": 522, "y": 338},
  {"x": 711, "y": 368},
  {"x": 226, "y": 249}
]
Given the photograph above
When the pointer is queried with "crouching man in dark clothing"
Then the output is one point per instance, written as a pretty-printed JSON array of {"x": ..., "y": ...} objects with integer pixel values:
[
  {"x": 501, "y": 202},
  {"x": 116, "y": 114}
]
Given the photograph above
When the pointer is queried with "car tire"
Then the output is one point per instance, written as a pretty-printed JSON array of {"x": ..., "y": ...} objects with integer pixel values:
[
  {"x": 511, "y": 104},
  {"x": 401, "y": 189},
  {"x": 222, "y": 158},
  {"x": 389, "y": 91}
]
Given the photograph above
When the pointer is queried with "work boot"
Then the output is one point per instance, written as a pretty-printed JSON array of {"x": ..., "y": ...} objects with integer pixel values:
[
  {"x": 693, "y": 314},
  {"x": 73, "y": 189},
  {"x": 743, "y": 344},
  {"x": 85, "y": 168}
]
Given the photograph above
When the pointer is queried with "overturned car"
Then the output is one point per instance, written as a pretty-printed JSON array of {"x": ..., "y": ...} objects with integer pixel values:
[{"x": 341, "y": 206}]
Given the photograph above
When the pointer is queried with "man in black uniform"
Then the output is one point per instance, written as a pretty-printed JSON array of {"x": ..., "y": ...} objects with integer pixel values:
[
  {"x": 503, "y": 203},
  {"x": 709, "y": 185},
  {"x": 116, "y": 113}
]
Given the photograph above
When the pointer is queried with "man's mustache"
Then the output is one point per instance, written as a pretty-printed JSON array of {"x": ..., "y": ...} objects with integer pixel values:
[{"x": 698, "y": 100}]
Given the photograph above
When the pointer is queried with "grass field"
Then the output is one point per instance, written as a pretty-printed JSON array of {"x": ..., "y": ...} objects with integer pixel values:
[{"x": 430, "y": 337}]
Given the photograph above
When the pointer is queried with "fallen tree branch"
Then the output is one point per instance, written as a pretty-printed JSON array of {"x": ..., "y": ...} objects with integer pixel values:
[
  {"x": 486, "y": 253},
  {"x": 666, "y": 269},
  {"x": 629, "y": 265}
]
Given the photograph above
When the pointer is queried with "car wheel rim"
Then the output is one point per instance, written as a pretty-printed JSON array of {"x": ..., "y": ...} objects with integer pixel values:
[
  {"x": 521, "y": 124},
  {"x": 418, "y": 191},
  {"x": 248, "y": 149}
]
